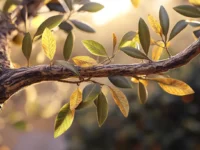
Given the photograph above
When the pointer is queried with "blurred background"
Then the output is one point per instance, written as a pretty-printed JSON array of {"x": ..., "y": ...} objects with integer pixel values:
[{"x": 165, "y": 122}]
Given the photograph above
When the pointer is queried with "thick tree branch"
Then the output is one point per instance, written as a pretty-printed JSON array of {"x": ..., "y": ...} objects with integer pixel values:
[{"x": 13, "y": 80}]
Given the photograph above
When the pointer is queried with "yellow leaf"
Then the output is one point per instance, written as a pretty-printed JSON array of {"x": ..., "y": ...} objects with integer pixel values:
[
  {"x": 75, "y": 99},
  {"x": 121, "y": 100},
  {"x": 134, "y": 80},
  {"x": 157, "y": 50},
  {"x": 173, "y": 86},
  {"x": 114, "y": 40},
  {"x": 135, "y": 3},
  {"x": 47, "y": 1},
  {"x": 155, "y": 24},
  {"x": 144, "y": 82},
  {"x": 194, "y": 2},
  {"x": 48, "y": 44},
  {"x": 84, "y": 61}
]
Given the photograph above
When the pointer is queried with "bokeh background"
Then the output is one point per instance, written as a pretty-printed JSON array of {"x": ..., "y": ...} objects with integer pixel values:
[{"x": 165, "y": 122}]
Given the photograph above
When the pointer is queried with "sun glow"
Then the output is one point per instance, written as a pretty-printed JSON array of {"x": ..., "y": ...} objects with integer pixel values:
[{"x": 111, "y": 10}]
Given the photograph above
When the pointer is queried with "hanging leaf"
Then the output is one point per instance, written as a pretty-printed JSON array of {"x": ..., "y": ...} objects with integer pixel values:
[
  {"x": 27, "y": 46},
  {"x": 182, "y": 24},
  {"x": 90, "y": 92},
  {"x": 157, "y": 50},
  {"x": 48, "y": 44},
  {"x": 68, "y": 47},
  {"x": 121, "y": 100},
  {"x": 82, "y": 26},
  {"x": 188, "y": 11},
  {"x": 50, "y": 23},
  {"x": 95, "y": 48},
  {"x": 144, "y": 35},
  {"x": 84, "y": 61},
  {"x": 172, "y": 86},
  {"x": 195, "y": 2},
  {"x": 133, "y": 52},
  {"x": 197, "y": 33},
  {"x": 67, "y": 65},
  {"x": 142, "y": 93},
  {"x": 155, "y": 24},
  {"x": 69, "y": 4},
  {"x": 75, "y": 99},
  {"x": 65, "y": 26},
  {"x": 135, "y": 3},
  {"x": 102, "y": 108},
  {"x": 144, "y": 82},
  {"x": 164, "y": 20},
  {"x": 63, "y": 120},
  {"x": 120, "y": 81},
  {"x": 127, "y": 37},
  {"x": 91, "y": 7},
  {"x": 114, "y": 37}
]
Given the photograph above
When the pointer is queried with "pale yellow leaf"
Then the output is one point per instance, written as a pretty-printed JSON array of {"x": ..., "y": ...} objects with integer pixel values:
[
  {"x": 155, "y": 24},
  {"x": 75, "y": 99},
  {"x": 144, "y": 82},
  {"x": 135, "y": 3},
  {"x": 84, "y": 61},
  {"x": 194, "y": 2},
  {"x": 157, "y": 50},
  {"x": 121, "y": 100},
  {"x": 48, "y": 44}
]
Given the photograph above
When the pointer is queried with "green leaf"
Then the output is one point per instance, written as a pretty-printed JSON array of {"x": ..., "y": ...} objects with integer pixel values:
[
  {"x": 65, "y": 26},
  {"x": 120, "y": 100},
  {"x": 133, "y": 52},
  {"x": 67, "y": 65},
  {"x": 127, "y": 37},
  {"x": 69, "y": 4},
  {"x": 20, "y": 125},
  {"x": 102, "y": 108},
  {"x": 188, "y": 11},
  {"x": 68, "y": 47},
  {"x": 182, "y": 24},
  {"x": 50, "y": 23},
  {"x": 164, "y": 20},
  {"x": 48, "y": 44},
  {"x": 82, "y": 26},
  {"x": 142, "y": 93},
  {"x": 90, "y": 92},
  {"x": 197, "y": 33},
  {"x": 95, "y": 48},
  {"x": 63, "y": 120},
  {"x": 27, "y": 46},
  {"x": 120, "y": 81},
  {"x": 91, "y": 7},
  {"x": 144, "y": 35}
]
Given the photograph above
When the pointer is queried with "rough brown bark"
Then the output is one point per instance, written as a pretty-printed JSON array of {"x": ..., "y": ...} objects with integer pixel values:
[{"x": 12, "y": 80}]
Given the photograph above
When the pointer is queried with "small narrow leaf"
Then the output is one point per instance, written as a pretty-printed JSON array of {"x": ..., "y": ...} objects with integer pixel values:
[
  {"x": 114, "y": 37},
  {"x": 144, "y": 35},
  {"x": 95, "y": 48},
  {"x": 65, "y": 26},
  {"x": 91, "y": 7},
  {"x": 127, "y": 37},
  {"x": 84, "y": 61},
  {"x": 102, "y": 108},
  {"x": 197, "y": 33},
  {"x": 63, "y": 120},
  {"x": 142, "y": 93},
  {"x": 75, "y": 99},
  {"x": 68, "y": 47},
  {"x": 193, "y": 23},
  {"x": 48, "y": 44},
  {"x": 135, "y": 3},
  {"x": 157, "y": 50},
  {"x": 133, "y": 52},
  {"x": 90, "y": 92},
  {"x": 188, "y": 11},
  {"x": 27, "y": 46},
  {"x": 82, "y": 26},
  {"x": 121, "y": 100},
  {"x": 67, "y": 65},
  {"x": 120, "y": 81},
  {"x": 155, "y": 24},
  {"x": 50, "y": 23},
  {"x": 69, "y": 4},
  {"x": 182, "y": 24},
  {"x": 164, "y": 20}
]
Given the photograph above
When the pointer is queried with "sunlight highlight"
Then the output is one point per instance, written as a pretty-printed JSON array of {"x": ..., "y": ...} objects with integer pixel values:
[{"x": 112, "y": 9}]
